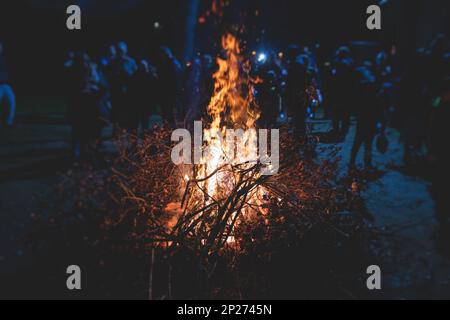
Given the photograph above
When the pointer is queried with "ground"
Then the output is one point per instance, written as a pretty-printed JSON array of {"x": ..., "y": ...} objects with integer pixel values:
[{"x": 35, "y": 153}]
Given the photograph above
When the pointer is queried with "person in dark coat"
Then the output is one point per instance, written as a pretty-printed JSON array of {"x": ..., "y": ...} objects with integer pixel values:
[
  {"x": 84, "y": 109},
  {"x": 268, "y": 99},
  {"x": 369, "y": 115},
  {"x": 122, "y": 70},
  {"x": 295, "y": 94},
  {"x": 169, "y": 71},
  {"x": 143, "y": 88},
  {"x": 343, "y": 85}
]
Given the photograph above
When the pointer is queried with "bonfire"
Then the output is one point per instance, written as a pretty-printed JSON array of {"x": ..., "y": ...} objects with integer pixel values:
[
  {"x": 205, "y": 206},
  {"x": 209, "y": 214}
]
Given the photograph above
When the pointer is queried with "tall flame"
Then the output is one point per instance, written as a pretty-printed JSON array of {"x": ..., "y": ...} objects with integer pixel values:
[
  {"x": 233, "y": 90},
  {"x": 232, "y": 106},
  {"x": 216, "y": 195}
]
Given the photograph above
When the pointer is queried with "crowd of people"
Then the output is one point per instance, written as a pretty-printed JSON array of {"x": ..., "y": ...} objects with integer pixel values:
[
  {"x": 118, "y": 89},
  {"x": 372, "y": 89}
]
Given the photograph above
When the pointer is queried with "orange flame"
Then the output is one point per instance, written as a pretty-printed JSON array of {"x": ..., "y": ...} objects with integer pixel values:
[
  {"x": 233, "y": 101},
  {"x": 232, "y": 106}
]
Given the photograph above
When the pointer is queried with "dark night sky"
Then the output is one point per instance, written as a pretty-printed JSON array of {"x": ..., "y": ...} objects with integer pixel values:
[{"x": 36, "y": 37}]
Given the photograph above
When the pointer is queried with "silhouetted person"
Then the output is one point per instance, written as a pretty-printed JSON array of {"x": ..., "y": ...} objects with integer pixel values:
[
  {"x": 143, "y": 95},
  {"x": 106, "y": 73},
  {"x": 110, "y": 57},
  {"x": 296, "y": 83},
  {"x": 437, "y": 67},
  {"x": 343, "y": 86},
  {"x": 84, "y": 110},
  {"x": 7, "y": 97},
  {"x": 327, "y": 88},
  {"x": 268, "y": 99},
  {"x": 385, "y": 76},
  {"x": 369, "y": 115},
  {"x": 268, "y": 91},
  {"x": 421, "y": 83},
  {"x": 169, "y": 70},
  {"x": 192, "y": 92},
  {"x": 413, "y": 106},
  {"x": 107, "y": 65},
  {"x": 122, "y": 70},
  {"x": 198, "y": 89}
]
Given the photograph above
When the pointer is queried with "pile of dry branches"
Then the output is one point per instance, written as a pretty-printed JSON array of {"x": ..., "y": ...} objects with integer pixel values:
[
  {"x": 152, "y": 196},
  {"x": 143, "y": 203}
]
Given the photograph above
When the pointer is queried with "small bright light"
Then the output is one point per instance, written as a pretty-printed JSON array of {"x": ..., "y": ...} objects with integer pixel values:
[
  {"x": 156, "y": 25},
  {"x": 262, "y": 57}
]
